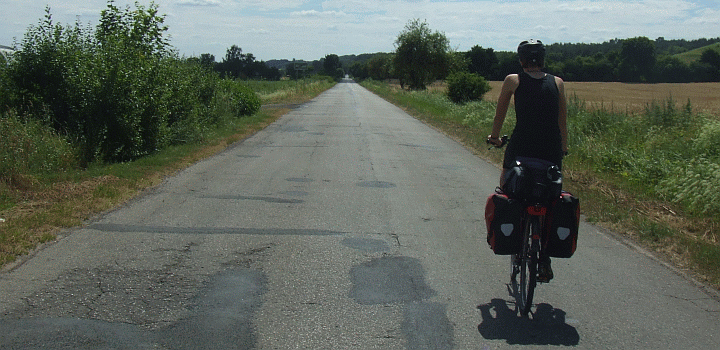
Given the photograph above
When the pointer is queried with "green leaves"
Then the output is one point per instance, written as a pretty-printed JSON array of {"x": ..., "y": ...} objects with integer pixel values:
[
  {"x": 421, "y": 55},
  {"x": 118, "y": 90},
  {"x": 464, "y": 87}
]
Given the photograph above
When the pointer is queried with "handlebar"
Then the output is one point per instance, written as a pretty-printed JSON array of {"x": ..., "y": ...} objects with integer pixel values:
[{"x": 503, "y": 142}]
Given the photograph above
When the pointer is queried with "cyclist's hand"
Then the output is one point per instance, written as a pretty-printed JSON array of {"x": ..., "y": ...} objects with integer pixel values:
[{"x": 495, "y": 141}]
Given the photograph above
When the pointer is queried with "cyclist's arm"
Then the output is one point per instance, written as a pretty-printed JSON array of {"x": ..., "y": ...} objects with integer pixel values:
[
  {"x": 508, "y": 89},
  {"x": 562, "y": 114}
]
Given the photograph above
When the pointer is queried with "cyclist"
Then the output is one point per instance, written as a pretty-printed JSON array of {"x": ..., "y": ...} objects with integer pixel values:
[{"x": 541, "y": 119}]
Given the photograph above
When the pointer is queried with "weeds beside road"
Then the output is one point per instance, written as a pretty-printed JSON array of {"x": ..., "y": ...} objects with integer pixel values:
[{"x": 650, "y": 176}]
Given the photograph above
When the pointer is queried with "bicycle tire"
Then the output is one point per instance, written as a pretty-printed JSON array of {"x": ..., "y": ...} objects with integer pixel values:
[{"x": 527, "y": 269}]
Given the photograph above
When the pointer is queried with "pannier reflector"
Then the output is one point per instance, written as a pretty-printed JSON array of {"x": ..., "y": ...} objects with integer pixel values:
[
  {"x": 507, "y": 229},
  {"x": 563, "y": 233}
]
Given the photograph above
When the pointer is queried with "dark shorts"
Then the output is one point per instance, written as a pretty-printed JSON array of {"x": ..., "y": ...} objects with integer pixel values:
[{"x": 511, "y": 155}]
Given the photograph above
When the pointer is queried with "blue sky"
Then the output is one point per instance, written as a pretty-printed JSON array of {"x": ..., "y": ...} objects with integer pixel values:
[{"x": 309, "y": 30}]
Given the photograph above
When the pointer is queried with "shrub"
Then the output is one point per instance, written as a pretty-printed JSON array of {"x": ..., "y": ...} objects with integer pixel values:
[
  {"x": 236, "y": 99},
  {"x": 464, "y": 87},
  {"x": 118, "y": 91}
]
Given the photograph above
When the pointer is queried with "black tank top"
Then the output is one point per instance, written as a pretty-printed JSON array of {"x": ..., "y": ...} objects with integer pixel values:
[{"x": 537, "y": 132}]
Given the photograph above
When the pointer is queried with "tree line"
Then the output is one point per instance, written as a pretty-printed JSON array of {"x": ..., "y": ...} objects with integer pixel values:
[
  {"x": 637, "y": 59},
  {"x": 239, "y": 65}
]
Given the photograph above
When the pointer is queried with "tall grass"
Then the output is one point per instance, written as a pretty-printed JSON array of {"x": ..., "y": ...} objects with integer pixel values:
[
  {"x": 30, "y": 147},
  {"x": 654, "y": 175}
]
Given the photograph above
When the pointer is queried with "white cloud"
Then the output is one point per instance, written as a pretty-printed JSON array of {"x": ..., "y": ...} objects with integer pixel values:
[
  {"x": 198, "y": 3},
  {"x": 314, "y": 13},
  {"x": 310, "y": 29}
]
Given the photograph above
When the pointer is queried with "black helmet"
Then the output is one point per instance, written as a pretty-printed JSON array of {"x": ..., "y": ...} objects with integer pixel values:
[{"x": 531, "y": 51}]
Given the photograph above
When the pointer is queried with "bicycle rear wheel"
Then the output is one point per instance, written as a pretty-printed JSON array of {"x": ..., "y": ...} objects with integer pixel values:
[{"x": 525, "y": 265}]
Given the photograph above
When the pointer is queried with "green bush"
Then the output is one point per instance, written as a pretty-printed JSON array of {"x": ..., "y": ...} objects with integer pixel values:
[
  {"x": 118, "y": 91},
  {"x": 235, "y": 99},
  {"x": 464, "y": 87}
]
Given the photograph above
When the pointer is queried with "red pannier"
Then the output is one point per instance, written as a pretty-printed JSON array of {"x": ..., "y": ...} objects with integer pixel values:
[
  {"x": 503, "y": 219},
  {"x": 562, "y": 224}
]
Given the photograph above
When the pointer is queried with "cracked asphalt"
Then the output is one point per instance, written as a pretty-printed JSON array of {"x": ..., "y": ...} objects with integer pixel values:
[{"x": 346, "y": 224}]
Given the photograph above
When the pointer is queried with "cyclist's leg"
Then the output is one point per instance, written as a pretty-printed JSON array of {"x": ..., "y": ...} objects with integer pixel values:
[{"x": 545, "y": 272}]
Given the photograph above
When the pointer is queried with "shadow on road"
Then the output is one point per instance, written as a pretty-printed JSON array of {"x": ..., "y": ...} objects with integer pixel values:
[{"x": 546, "y": 326}]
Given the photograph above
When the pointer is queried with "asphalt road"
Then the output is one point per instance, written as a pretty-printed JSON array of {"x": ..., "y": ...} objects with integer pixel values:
[{"x": 346, "y": 224}]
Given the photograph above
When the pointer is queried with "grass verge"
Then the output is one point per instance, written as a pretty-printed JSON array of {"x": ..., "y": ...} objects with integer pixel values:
[{"x": 35, "y": 208}]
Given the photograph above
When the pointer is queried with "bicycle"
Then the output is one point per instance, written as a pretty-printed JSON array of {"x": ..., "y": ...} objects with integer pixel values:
[{"x": 525, "y": 264}]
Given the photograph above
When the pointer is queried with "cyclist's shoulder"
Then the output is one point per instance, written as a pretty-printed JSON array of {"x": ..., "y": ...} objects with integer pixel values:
[
  {"x": 512, "y": 77},
  {"x": 511, "y": 82},
  {"x": 559, "y": 82}
]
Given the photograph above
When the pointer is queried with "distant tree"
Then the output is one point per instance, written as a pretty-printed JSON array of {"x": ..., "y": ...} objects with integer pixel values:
[
  {"x": 379, "y": 67},
  {"x": 359, "y": 71},
  {"x": 237, "y": 65},
  {"x": 333, "y": 67},
  {"x": 232, "y": 64},
  {"x": 207, "y": 60},
  {"x": 484, "y": 62},
  {"x": 711, "y": 58},
  {"x": 509, "y": 63},
  {"x": 457, "y": 62},
  {"x": 420, "y": 55},
  {"x": 637, "y": 59},
  {"x": 670, "y": 69},
  {"x": 330, "y": 63}
]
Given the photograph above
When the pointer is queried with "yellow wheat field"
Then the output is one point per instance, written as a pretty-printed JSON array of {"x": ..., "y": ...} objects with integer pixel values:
[{"x": 704, "y": 97}]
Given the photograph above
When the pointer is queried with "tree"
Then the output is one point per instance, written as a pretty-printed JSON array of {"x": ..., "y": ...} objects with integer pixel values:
[
  {"x": 509, "y": 63},
  {"x": 484, "y": 62},
  {"x": 420, "y": 55},
  {"x": 711, "y": 58},
  {"x": 207, "y": 60},
  {"x": 378, "y": 67},
  {"x": 456, "y": 62},
  {"x": 333, "y": 67},
  {"x": 637, "y": 59},
  {"x": 232, "y": 64},
  {"x": 141, "y": 29},
  {"x": 669, "y": 69}
]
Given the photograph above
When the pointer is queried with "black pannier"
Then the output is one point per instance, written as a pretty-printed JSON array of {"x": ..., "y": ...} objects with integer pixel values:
[
  {"x": 503, "y": 220},
  {"x": 562, "y": 224},
  {"x": 533, "y": 179}
]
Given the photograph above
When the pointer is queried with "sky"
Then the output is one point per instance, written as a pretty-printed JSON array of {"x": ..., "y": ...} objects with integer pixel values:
[{"x": 311, "y": 29}]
